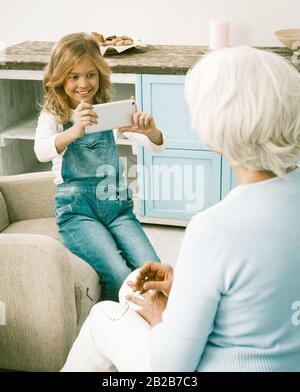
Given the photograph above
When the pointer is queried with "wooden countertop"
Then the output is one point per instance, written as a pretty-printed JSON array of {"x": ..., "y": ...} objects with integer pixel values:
[{"x": 154, "y": 59}]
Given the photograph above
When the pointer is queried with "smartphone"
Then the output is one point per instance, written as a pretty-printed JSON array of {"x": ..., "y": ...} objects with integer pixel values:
[{"x": 113, "y": 115}]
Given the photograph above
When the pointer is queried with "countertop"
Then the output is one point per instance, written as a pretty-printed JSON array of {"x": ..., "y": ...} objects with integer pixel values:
[{"x": 154, "y": 59}]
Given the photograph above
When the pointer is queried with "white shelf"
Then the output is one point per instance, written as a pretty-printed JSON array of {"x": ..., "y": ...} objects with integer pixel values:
[
  {"x": 14, "y": 74},
  {"x": 22, "y": 129},
  {"x": 25, "y": 129},
  {"x": 124, "y": 141},
  {"x": 40, "y": 167},
  {"x": 123, "y": 78}
]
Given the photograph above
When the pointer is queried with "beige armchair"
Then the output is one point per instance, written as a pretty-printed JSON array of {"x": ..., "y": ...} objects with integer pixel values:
[{"x": 45, "y": 290}]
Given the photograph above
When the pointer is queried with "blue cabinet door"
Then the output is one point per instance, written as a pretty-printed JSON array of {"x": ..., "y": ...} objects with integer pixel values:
[
  {"x": 178, "y": 183},
  {"x": 163, "y": 97}
]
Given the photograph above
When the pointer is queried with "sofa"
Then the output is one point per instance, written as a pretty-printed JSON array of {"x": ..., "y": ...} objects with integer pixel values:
[{"x": 46, "y": 291}]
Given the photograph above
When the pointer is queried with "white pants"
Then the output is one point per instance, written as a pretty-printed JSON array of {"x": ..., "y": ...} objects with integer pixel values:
[{"x": 112, "y": 338}]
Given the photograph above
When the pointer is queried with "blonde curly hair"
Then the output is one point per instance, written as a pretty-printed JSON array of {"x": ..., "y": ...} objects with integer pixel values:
[{"x": 64, "y": 56}]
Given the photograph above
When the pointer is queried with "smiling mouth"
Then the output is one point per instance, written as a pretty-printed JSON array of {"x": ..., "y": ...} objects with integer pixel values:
[{"x": 82, "y": 93}]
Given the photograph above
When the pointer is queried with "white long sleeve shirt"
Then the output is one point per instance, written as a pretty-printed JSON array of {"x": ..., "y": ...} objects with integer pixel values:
[{"x": 45, "y": 149}]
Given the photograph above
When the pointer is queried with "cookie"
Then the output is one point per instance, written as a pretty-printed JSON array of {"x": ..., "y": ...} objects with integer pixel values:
[{"x": 113, "y": 40}]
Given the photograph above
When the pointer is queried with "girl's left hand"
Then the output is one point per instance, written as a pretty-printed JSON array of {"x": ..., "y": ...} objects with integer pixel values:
[
  {"x": 153, "y": 305},
  {"x": 144, "y": 123}
]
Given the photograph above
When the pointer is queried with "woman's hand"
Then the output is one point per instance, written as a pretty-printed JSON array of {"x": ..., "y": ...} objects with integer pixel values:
[
  {"x": 154, "y": 276},
  {"x": 84, "y": 115},
  {"x": 144, "y": 123},
  {"x": 153, "y": 305}
]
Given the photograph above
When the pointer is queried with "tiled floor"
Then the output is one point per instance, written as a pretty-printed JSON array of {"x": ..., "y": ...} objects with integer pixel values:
[{"x": 166, "y": 241}]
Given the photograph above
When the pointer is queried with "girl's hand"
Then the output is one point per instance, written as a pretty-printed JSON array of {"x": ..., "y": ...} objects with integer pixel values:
[
  {"x": 153, "y": 304},
  {"x": 84, "y": 115},
  {"x": 144, "y": 123}
]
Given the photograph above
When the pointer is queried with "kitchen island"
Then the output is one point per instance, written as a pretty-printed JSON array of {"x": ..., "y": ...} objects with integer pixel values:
[{"x": 170, "y": 187}]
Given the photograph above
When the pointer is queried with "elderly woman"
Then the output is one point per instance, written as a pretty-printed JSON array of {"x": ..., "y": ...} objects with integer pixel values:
[{"x": 231, "y": 303}]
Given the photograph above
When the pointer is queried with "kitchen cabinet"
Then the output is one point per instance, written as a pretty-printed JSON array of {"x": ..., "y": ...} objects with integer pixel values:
[
  {"x": 178, "y": 183},
  {"x": 186, "y": 178},
  {"x": 163, "y": 96},
  {"x": 19, "y": 100},
  {"x": 20, "y": 103}
]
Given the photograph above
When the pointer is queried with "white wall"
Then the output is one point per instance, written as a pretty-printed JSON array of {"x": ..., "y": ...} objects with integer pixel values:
[{"x": 253, "y": 22}]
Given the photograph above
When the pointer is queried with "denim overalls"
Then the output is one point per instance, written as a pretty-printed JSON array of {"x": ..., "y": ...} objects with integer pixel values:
[{"x": 94, "y": 211}]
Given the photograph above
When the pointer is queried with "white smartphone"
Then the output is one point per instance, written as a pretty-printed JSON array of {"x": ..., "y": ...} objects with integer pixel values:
[{"x": 113, "y": 115}]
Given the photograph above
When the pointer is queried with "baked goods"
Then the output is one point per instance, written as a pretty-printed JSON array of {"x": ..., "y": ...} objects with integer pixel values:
[
  {"x": 113, "y": 40},
  {"x": 114, "y": 44}
]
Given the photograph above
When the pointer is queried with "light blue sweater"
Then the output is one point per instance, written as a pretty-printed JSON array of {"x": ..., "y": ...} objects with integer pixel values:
[{"x": 236, "y": 279}]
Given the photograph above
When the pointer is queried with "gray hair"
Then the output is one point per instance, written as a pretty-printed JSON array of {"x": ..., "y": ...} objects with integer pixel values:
[{"x": 245, "y": 104}]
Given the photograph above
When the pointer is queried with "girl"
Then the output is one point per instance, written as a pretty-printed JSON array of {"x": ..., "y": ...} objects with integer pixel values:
[{"x": 93, "y": 206}]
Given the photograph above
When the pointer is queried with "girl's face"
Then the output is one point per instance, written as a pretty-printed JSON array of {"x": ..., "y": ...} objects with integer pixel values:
[{"x": 82, "y": 83}]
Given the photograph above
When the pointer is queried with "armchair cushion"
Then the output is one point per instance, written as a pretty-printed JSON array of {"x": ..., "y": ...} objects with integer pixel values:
[
  {"x": 4, "y": 222},
  {"x": 44, "y": 226},
  {"x": 28, "y": 196}
]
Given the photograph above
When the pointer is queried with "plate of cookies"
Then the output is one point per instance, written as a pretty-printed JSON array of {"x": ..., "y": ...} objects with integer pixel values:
[{"x": 114, "y": 44}]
